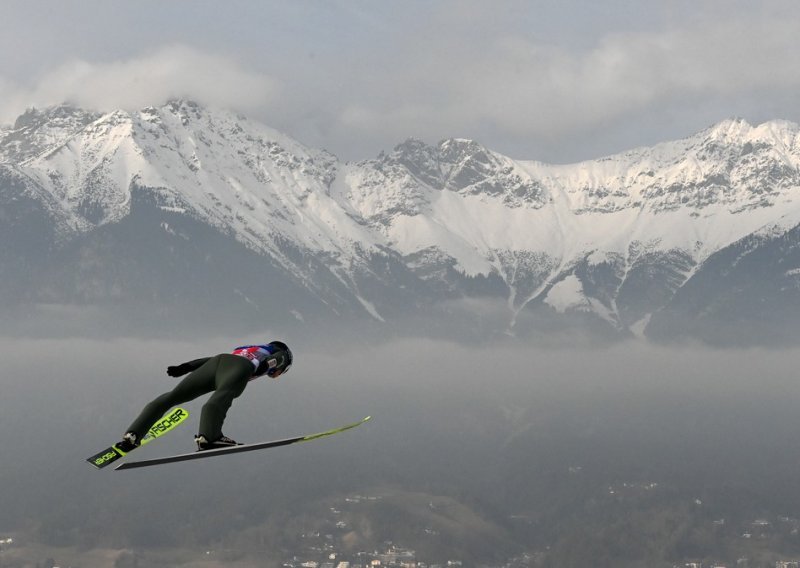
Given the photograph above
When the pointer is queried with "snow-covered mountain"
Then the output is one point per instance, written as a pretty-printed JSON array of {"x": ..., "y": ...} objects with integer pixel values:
[{"x": 185, "y": 207}]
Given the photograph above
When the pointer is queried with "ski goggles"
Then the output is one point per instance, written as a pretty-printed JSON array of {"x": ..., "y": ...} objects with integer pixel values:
[
  {"x": 278, "y": 371},
  {"x": 279, "y": 368}
]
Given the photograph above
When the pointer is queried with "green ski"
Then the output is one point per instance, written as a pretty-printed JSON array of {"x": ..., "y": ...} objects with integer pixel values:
[
  {"x": 170, "y": 420},
  {"x": 237, "y": 449}
]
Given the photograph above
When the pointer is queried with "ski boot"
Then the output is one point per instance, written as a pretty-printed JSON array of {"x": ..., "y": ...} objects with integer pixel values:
[
  {"x": 221, "y": 442},
  {"x": 129, "y": 442}
]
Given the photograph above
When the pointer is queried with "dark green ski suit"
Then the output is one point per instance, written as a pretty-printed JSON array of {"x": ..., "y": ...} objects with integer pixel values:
[{"x": 225, "y": 375}]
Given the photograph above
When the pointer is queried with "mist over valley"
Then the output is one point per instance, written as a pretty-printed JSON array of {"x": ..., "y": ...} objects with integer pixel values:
[{"x": 523, "y": 451}]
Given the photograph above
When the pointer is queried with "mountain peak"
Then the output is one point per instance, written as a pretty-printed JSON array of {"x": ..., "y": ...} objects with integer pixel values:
[
  {"x": 37, "y": 130},
  {"x": 462, "y": 166},
  {"x": 57, "y": 115},
  {"x": 417, "y": 158},
  {"x": 450, "y": 150},
  {"x": 734, "y": 128},
  {"x": 739, "y": 131},
  {"x": 186, "y": 110},
  {"x": 454, "y": 147},
  {"x": 183, "y": 103}
]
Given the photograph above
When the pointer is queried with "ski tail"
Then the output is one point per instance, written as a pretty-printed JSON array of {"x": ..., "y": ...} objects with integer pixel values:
[{"x": 170, "y": 420}]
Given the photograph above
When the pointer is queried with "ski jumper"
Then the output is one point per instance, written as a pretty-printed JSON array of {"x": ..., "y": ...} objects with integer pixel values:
[{"x": 226, "y": 375}]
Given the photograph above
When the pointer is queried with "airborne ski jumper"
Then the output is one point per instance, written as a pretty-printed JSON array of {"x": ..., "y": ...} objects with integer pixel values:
[{"x": 226, "y": 375}]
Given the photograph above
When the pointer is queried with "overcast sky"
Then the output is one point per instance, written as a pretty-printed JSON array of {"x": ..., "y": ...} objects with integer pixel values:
[{"x": 553, "y": 81}]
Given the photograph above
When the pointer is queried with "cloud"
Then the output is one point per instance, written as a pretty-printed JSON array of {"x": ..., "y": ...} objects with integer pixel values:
[
  {"x": 518, "y": 87},
  {"x": 152, "y": 78},
  {"x": 466, "y": 69}
]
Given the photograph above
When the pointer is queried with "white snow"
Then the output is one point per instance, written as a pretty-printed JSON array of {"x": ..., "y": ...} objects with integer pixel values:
[
  {"x": 370, "y": 307},
  {"x": 639, "y": 327},
  {"x": 566, "y": 294}
]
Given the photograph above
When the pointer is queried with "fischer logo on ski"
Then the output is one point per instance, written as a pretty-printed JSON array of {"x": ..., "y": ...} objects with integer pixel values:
[{"x": 169, "y": 421}]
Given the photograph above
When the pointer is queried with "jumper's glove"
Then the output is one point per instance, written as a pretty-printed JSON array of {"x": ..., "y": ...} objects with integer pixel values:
[{"x": 179, "y": 370}]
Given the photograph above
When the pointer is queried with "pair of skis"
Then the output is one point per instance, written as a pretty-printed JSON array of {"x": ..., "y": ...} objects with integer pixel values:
[{"x": 176, "y": 417}]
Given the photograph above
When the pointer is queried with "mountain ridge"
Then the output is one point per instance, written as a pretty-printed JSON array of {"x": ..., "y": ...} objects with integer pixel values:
[{"x": 422, "y": 226}]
